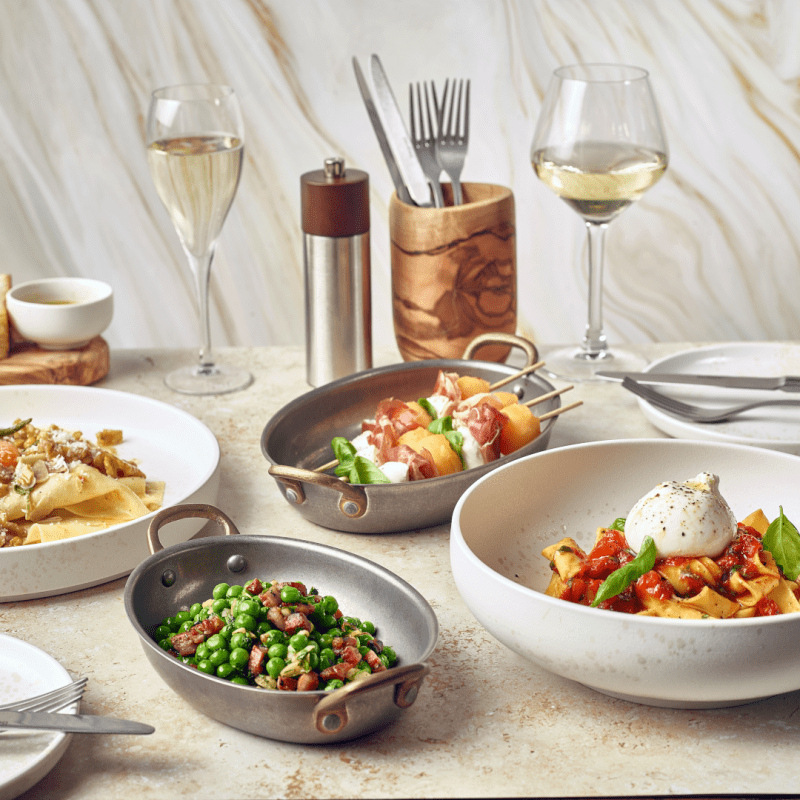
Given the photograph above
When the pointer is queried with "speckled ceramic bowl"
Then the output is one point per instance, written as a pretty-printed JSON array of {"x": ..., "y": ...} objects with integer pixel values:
[{"x": 503, "y": 522}]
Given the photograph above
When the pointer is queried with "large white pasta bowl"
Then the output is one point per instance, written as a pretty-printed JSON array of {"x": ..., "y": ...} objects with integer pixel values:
[{"x": 503, "y": 522}]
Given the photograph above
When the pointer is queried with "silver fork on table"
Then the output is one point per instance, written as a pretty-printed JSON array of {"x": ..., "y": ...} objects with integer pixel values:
[
  {"x": 50, "y": 701},
  {"x": 425, "y": 142},
  {"x": 452, "y": 138},
  {"x": 698, "y": 413}
]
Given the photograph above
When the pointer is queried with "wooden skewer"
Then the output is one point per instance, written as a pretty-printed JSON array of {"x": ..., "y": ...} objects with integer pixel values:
[
  {"x": 561, "y": 410},
  {"x": 548, "y": 396},
  {"x": 516, "y": 375}
]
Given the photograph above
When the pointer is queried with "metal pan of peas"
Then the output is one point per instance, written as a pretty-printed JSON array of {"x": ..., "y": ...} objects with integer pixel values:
[{"x": 283, "y": 638}]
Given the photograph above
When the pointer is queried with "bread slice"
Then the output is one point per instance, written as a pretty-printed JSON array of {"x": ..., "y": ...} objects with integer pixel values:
[{"x": 5, "y": 327}]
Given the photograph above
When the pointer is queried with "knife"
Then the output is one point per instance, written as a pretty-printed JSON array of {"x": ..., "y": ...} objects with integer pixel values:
[
  {"x": 70, "y": 723},
  {"x": 399, "y": 142},
  {"x": 377, "y": 125},
  {"x": 785, "y": 383}
]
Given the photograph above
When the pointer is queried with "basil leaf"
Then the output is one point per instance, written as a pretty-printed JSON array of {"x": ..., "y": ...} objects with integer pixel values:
[
  {"x": 618, "y": 524},
  {"x": 364, "y": 471},
  {"x": 783, "y": 541},
  {"x": 620, "y": 579},
  {"x": 428, "y": 406},
  {"x": 456, "y": 439},
  {"x": 441, "y": 425},
  {"x": 14, "y": 428},
  {"x": 345, "y": 452}
]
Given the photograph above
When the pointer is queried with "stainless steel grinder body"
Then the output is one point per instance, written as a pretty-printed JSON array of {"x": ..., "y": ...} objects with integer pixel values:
[{"x": 336, "y": 259}]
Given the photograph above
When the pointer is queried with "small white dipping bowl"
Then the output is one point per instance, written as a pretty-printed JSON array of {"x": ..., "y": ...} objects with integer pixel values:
[
  {"x": 60, "y": 313},
  {"x": 504, "y": 520}
]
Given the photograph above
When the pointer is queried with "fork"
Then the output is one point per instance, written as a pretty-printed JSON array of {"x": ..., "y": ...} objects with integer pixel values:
[
  {"x": 698, "y": 413},
  {"x": 425, "y": 143},
  {"x": 452, "y": 141},
  {"x": 50, "y": 701}
]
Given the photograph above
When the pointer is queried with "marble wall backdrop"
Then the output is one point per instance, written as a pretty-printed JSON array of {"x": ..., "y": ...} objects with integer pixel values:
[{"x": 710, "y": 253}]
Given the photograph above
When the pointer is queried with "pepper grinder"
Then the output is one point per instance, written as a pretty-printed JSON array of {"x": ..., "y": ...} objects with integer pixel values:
[{"x": 336, "y": 250}]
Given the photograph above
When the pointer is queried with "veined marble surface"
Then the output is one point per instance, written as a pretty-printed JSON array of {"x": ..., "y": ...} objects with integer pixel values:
[{"x": 711, "y": 253}]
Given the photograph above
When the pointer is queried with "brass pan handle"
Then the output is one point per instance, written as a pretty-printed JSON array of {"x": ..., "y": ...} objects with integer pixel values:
[
  {"x": 330, "y": 714},
  {"x": 503, "y": 338},
  {"x": 353, "y": 502},
  {"x": 174, "y": 513}
]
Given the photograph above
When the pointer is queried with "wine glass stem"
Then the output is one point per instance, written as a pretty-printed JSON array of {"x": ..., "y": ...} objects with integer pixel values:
[
  {"x": 594, "y": 340},
  {"x": 201, "y": 268}
]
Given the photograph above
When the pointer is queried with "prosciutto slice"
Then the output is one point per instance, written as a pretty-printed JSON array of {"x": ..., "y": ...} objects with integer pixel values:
[
  {"x": 393, "y": 418},
  {"x": 485, "y": 422},
  {"x": 420, "y": 465}
]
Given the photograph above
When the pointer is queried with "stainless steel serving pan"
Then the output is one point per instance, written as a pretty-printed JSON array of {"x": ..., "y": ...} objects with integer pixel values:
[
  {"x": 174, "y": 578},
  {"x": 298, "y": 439}
]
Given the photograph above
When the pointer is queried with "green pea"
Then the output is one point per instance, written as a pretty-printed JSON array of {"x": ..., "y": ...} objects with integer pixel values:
[
  {"x": 220, "y": 590},
  {"x": 161, "y": 632},
  {"x": 234, "y": 591},
  {"x": 220, "y": 656},
  {"x": 203, "y": 651},
  {"x": 224, "y": 670},
  {"x": 274, "y": 667},
  {"x": 262, "y": 628},
  {"x": 328, "y": 621},
  {"x": 326, "y": 658},
  {"x": 369, "y": 627},
  {"x": 200, "y": 617},
  {"x": 216, "y": 641},
  {"x": 185, "y": 626},
  {"x": 313, "y": 660},
  {"x": 173, "y": 624},
  {"x": 165, "y": 644},
  {"x": 364, "y": 638},
  {"x": 182, "y": 616},
  {"x": 240, "y": 640},
  {"x": 385, "y": 660},
  {"x": 263, "y": 613},
  {"x": 245, "y": 621},
  {"x": 247, "y": 607},
  {"x": 195, "y": 609},
  {"x": 332, "y": 684},
  {"x": 239, "y": 680},
  {"x": 274, "y": 636},
  {"x": 298, "y": 641},
  {"x": 390, "y": 654},
  {"x": 279, "y": 650},
  {"x": 331, "y": 604},
  {"x": 220, "y": 604},
  {"x": 291, "y": 594},
  {"x": 325, "y": 640},
  {"x": 239, "y": 658},
  {"x": 363, "y": 650},
  {"x": 206, "y": 666}
]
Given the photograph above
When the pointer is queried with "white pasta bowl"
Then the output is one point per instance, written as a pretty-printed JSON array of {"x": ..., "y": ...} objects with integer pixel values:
[
  {"x": 61, "y": 313},
  {"x": 503, "y": 522}
]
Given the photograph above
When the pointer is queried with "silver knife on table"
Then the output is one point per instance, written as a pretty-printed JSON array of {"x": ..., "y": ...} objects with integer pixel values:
[
  {"x": 377, "y": 125},
  {"x": 399, "y": 142},
  {"x": 70, "y": 723},
  {"x": 785, "y": 383}
]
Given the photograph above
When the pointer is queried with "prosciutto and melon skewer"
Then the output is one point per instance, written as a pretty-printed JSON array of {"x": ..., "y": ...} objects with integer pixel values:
[{"x": 463, "y": 424}]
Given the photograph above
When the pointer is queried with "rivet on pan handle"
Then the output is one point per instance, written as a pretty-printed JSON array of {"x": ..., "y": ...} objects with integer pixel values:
[
  {"x": 503, "y": 338},
  {"x": 353, "y": 502},
  {"x": 330, "y": 714},
  {"x": 174, "y": 513}
]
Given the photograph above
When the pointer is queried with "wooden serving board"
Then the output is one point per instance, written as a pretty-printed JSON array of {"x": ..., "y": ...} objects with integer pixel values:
[{"x": 28, "y": 363}]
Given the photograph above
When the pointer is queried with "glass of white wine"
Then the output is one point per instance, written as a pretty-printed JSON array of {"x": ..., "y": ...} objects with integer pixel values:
[
  {"x": 195, "y": 149},
  {"x": 599, "y": 145}
]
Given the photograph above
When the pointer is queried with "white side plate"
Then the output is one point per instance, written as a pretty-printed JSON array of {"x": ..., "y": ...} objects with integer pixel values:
[
  {"x": 27, "y": 756},
  {"x": 775, "y": 428}
]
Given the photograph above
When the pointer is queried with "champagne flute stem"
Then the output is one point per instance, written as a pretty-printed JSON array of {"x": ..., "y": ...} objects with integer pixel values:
[
  {"x": 594, "y": 340},
  {"x": 201, "y": 268}
]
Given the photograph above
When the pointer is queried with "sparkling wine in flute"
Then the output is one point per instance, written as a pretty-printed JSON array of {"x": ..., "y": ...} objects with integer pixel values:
[
  {"x": 196, "y": 178},
  {"x": 600, "y": 179}
]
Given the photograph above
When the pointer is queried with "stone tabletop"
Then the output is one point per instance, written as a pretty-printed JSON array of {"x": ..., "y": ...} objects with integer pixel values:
[{"x": 486, "y": 723}]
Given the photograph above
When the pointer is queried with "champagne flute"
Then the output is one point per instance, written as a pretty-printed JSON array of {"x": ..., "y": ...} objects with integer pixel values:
[
  {"x": 195, "y": 149},
  {"x": 599, "y": 145}
]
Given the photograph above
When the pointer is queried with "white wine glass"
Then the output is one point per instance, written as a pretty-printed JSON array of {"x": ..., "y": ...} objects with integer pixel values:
[
  {"x": 599, "y": 145},
  {"x": 195, "y": 149}
]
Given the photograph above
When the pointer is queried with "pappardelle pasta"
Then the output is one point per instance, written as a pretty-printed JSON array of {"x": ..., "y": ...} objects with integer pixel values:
[
  {"x": 55, "y": 484},
  {"x": 754, "y": 574}
]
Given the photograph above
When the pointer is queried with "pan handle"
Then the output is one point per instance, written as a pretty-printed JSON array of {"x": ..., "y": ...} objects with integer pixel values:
[
  {"x": 353, "y": 502},
  {"x": 503, "y": 338},
  {"x": 174, "y": 513},
  {"x": 330, "y": 714}
]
